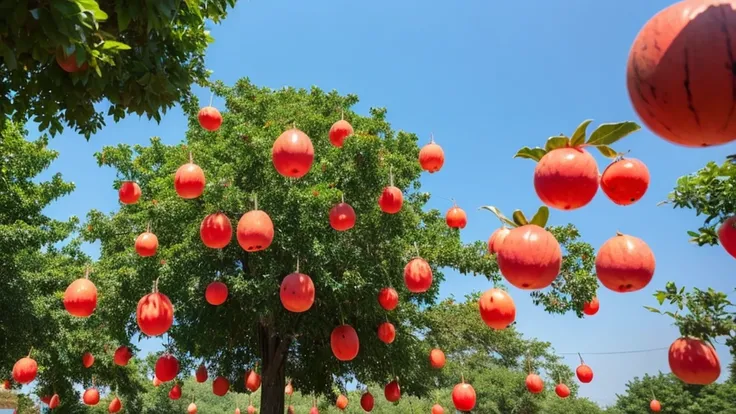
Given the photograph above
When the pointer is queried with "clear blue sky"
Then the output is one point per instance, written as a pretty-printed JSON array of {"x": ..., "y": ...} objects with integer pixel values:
[{"x": 486, "y": 78}]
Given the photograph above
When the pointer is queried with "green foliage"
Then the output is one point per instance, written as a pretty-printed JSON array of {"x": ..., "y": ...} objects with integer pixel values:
[
  {"x": 601, "y": 138},
  {"x": 711, "y": 192},
  {"x": 675, "y": 396},
  {"x": 142, "y": 56}
]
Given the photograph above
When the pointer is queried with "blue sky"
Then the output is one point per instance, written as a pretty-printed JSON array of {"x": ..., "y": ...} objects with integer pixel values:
[{"x": 486, "y": 78}]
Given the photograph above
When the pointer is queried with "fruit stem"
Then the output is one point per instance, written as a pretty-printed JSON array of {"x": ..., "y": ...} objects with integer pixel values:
[
  {"x": 581, "y": 359},
  {"x": 431, "y": 138},
  {"x": 191, "y": 159},
  {"x": 462, "y": 378},
  {"x": 618, "y": 233},
  {"x": 297, "y": 270},
  {"x": 416, "y": 247},
  {"x": 212, "y": 95},
  {"x": 155, "y": 286},
  {"x": 391, "y": 176},
  {"x": 29, "y": 352},
  {"x": 342, "y": 197},
  {"x": 255, "y": 201},
  {"x": 86, "y": 272},
  {"x": 148, "y": 227},
  {"x": 342, "y": 114}
]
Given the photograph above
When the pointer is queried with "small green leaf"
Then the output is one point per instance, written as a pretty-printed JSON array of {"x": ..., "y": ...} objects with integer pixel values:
[
  {"x": 693, "y": 234},
  {"x": 535, "y": 154},
  {"x": 8, "y": 56},
  {"x": 559, "y": 141},
  {"x": 91, "y": 6},
  {"x": 578, "y": 137},
  {"x": 541, "y": 217},
  {"x": 498, "y": 214},
  {"x": 519, "y": 218},
  {"x": 123, "y": 16},
  {"x": 650, "y": 309},
  {"x": 114, "y": 45},
  {"x": 607, "y": 151},
  {"x": 661, "y": 296},
  {"x": 607, "y": 134}
]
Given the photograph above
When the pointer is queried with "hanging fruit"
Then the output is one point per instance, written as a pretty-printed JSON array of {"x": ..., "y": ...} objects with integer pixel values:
[
  {"x": 727, "y": 235},
  {"x": 220, "y": 386},
  {"x": 342, "y": 402},
  {"x": 129, "y": 192},
  {"x": 392, "y": 391},
  {"x": 566, "y": 175},
  {"x": 69, "y": 63},
  {"x": 497, "y": 238},
  {"x": 115, "y": 405},
  {"x": 154, "y": 313},
  {"x": 209, "y": 118},
  {"x": 189, "y": 180},
  {"x": 252, "y": 409},
  {"x": 297, "y": 292},
  {"x": 91, "y": 396},
  {"x": 584, "y": 372},
  {"x": 252, "y": 380},
  {"x": 386, "y": 332},
  {"x": 167, "y": 367},
  {"x": 146, "y": 244},
  {"x": 344, "y": 343},
  {"x": 216, "y": 231},
  {"x": 497, "y": 309},
  {"x": 418, "y": 275},
  {"x": 562, "y": 390},
  {"x": 175, "y": 392},
  {"x": 54, "y": 401},
  {"x": 391, "y": 200},
  {"x": 463, "y": 396},
  {"x": 216, "y": 293},
  {"x": 122, "y": 356},
  {"x": 388, "y": 298},
  {"x": 192, "y": 408},
  {"x": 339, "y": 131},
  {"x": 625, "y": 181},
  {"x": 655, "y": 406},
  {"x": 255, "y": 231},
  {"x": 625, "y": 263},
  {"x": 342, "y": 217},
  {"x": 694, "y": 361},
  {"x": 679, "y": 74},
  {"x": 88, "y": 359},
  {"x": 80, "y": 298},
  {"x": 437, "y": 409},
  {"x": 293, "y": 153},
  {"x": 156, "y": 381},
  {"x": 437, "y": 358},
  {"x": 456, "y": 218},
  {"x": 367, "y": 401},
  {"x": 201, "y": 373},
  {"x": 25, "y": 370},
  {"x": 534, "y": 383},
  {"x": 288, "y": 389},
  {"x": 530, "y": 257},
  {"x": 431, "y": 157},
  {"x": 591, "y": 308}
]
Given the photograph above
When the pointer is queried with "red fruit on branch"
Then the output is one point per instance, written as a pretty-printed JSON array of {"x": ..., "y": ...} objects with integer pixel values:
[
  {"x": 209, "y": 118},
  {"x": 192, "y": 408},
  {"x": 418, "y": 275},
  {"x": 463, "y": 396},
  {"x": 367, "y": 401},
  {"x": 388, "y": 298},
  {"x": 437, "y": 409},
  {"x": 292, "y": 153},
  {"x": 91, "y": 396},
  {"x": 534, "y": 383},
  {"x": 591, "y": 308},
  {"x": 431, "y": 157},
  {"x": 88, "y": 359},
  {"x": 625, "y": 264},
  {"x": 156, "y": 381},
  {"x": 54, "y": 401},
  {"x": 216, "y": 231},
  {"x": 562, "y": 390},
  {"x": 129, "y": 192},
  {"x": 655, "y": 406},
  {"x": 115, "y": 405},
  {"x": 189, "y": 181},
  {"x": 80, "y": 298},
  {"x": 342, "y": 402},
  {"x": 342, "y": 217},
  {"x": 456, "y": 218},
  {"x": 146, "y": 244},
  {"x": 497, "y": 238},
  {"x": 694, "y": 361},
  {"x": 175, "y": 392},
  {"x": 69, "y": 63},
  {"x": 122, "y": 356},
  {"x": 386, "y": 332},
  {"x": 167, "y": 367},
  {"x": 584, "y": 373},
  {"x": 154, "y": 314},
  {"x": 391, "y": 200},
  {"x": 497, "y": 309},
  {"x": 392, "y": 391},
  {"x": 201, "y": 373},
  {"x": 25, "y": 370},
  {"x": 252, "y": 381},
  {"x": 676, "y": 74},
  {"x": 437, "y": 358},
  {"x": 566, "y": 178},
  {"x": 251, "y": 409},
  {"x": 255, "y": 231},
  {"x": 625, "y": 181},
  {"x": 727, "y": 235},
  {"x": 339, "y": 131},
  {"x": 288, "y": 389},
  {"x": 216, "y": 293},
  {"x": 297, "y": 292},
  {"x": 344, "y": 343},
  {"x": 220, "y": 386}
]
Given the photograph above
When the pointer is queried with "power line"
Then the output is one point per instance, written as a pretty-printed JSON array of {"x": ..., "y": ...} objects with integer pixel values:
[{"x": 636, "y": 351}]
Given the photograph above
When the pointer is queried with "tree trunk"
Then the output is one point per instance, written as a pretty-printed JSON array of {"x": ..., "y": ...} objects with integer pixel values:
[{"x": 273, "y": 374}]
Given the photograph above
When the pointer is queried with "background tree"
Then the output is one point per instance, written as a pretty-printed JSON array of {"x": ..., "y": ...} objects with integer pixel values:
[
  {"x": 348, "y": 268},
  {"x": 140, "y": 56}
]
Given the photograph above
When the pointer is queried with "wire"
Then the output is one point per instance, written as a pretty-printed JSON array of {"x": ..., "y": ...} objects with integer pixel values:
[{"x": 636, "y": 351}]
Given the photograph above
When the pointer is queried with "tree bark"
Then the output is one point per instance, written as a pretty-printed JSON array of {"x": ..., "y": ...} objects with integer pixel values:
[{"x": 273, "y": 374}]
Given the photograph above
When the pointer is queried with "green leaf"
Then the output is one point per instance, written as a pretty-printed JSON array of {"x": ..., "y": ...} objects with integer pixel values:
[
  {"x": 123, "y": 16},
  {"x": 661, "y": 296},
  {"x": 541, "y": 217},
  {"x": 607, "y": 134},
  {"x": 650, "y": 309},
  {"x": 8, "y": 56},
  {"x": 559, "y": 141},
  {"x": 578, "y": 137},
  {"x": 114, "y": 45},
  {"x": 498, "y": 214},
  {"x": 607, "y": 151},
  {"x": 535, "y": 154},
  {"x": 91, "y": 6},
  {"x": 519, "y": 218},
  {"x": 692, "y": 234}
]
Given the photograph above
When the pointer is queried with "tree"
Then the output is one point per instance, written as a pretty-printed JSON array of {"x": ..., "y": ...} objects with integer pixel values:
[
  {"x": 37, "y": 268},
  {"x": 142, "y": 57},
  {"x": 348, "y": 268}
]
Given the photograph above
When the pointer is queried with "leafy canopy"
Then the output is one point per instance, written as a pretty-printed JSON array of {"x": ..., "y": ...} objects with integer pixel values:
[{"x": 142, "y": 57}]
